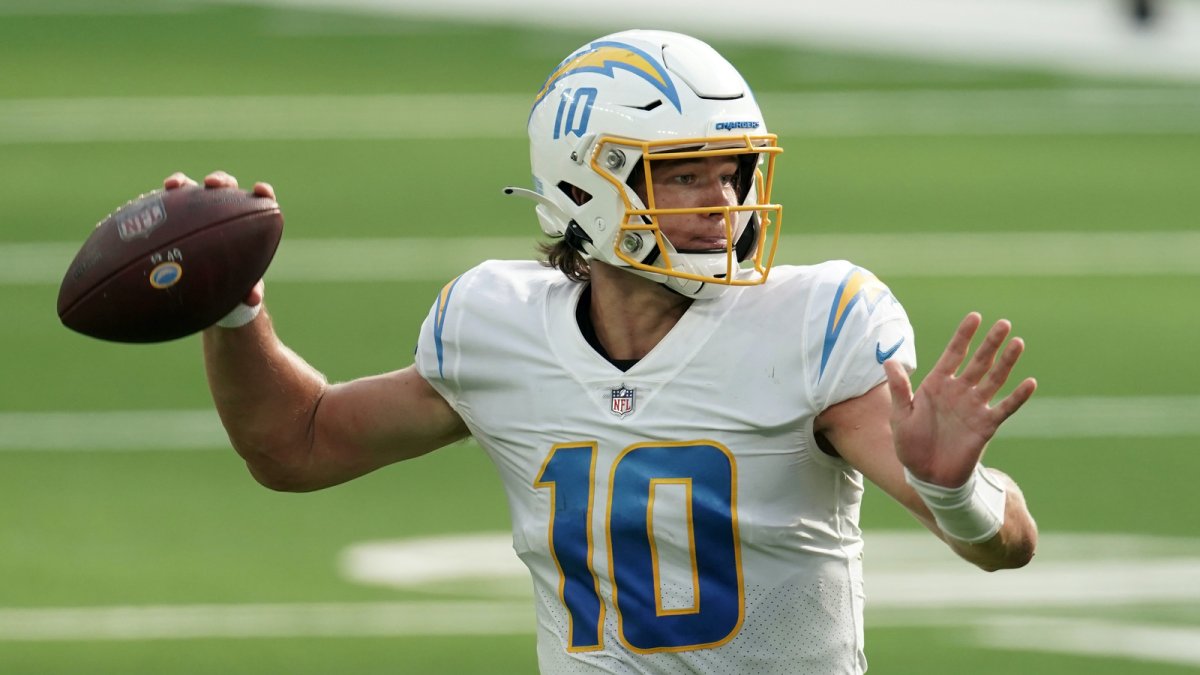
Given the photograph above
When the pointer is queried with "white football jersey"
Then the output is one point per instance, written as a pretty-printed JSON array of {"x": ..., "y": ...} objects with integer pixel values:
[{"x": 677, "y": 517}]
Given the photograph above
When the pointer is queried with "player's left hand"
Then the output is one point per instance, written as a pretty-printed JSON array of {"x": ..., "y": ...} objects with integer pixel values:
[{"x": 940, "y": 432}]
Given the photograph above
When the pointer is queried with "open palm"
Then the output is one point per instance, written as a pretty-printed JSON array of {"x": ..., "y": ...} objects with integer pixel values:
[{"x": 941, "y": 430}]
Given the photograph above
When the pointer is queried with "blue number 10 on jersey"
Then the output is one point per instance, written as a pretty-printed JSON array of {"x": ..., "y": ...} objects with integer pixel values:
[{"x": 702, "y": 476}]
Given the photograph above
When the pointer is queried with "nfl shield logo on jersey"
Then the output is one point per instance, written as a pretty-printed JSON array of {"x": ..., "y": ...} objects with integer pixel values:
[{"x": 622, "y": 401}]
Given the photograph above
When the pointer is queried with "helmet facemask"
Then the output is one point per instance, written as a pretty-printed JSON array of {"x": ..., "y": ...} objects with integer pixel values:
[
  {"x": 751, "y": 224},
  {"x": 623, "y": 105}
]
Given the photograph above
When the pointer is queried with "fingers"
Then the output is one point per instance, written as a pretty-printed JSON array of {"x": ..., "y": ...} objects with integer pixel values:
[
  {"x": 264, "y": 190},
  {"x": 216, "y": 179},
  {"x": 900, "y": 387},
  {"x": 177, "y": 179},
  {"x": 256, "y": 294},
  {"x": 983, "y": 371},
  {"x": 998, "y": 375},
  {"x": 947, "y": 365},
  {"x": 985, "y": 355},
  {"x": 988, "y": 375},
  {"x": 220, "y": 179},
  {"x": 1013, "y": 402}
]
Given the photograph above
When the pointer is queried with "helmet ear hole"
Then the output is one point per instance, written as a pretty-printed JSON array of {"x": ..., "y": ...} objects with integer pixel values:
[{"x": 575, "y": 193}]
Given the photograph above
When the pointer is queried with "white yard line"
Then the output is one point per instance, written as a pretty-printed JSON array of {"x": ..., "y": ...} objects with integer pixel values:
[
  {"x": 131, "y": 8},
  {"x": 1078, "y": 36},
  {"x": 1010, "y": 254},
  {"x": 1102, "y": 417},
  {"x": 904, "y": 570},
  {"x": 502, "y": 116},
  {"x": 142, "y": 430},
  {"x": 911, "y": 581},
  {"x": 1138, "y": 642},
  {"x": 175, "y": 622},
  {"x": 170, "y": 430},
  {"x": 1097, "y": 638}
]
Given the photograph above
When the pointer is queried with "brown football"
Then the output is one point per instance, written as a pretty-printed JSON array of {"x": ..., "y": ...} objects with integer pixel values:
[{"x": 169, "y": 263}]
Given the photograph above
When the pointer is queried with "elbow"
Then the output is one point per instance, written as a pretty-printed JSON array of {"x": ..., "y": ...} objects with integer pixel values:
[
  {"x": 1012, "y": 561},
  {"x": 1022, "y": 547},
  {"x": 1020, "y": 555},
  {"x": 1015, "y": 555},
  {"x": 279, "y": 480},
  {"x": 1016, "y": 544},
  {"x": 274, "y": 469}
]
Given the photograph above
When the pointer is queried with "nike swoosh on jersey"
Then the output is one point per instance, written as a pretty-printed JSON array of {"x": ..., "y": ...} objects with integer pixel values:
[{"x": 882, "y": 355}]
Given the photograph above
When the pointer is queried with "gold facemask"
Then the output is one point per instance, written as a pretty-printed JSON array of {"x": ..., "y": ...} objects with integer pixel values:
[{"x": 756, "y": 207}]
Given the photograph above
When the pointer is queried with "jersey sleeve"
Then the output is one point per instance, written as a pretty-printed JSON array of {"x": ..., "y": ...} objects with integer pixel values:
[
  {"x": 481, "y": 327},
  {"x": 438, "y": 345},
  {"x": 854, "y": 325}
]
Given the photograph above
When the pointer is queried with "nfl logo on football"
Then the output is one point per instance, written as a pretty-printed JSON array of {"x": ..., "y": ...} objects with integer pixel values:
[
  {"x": 622, "y": 401},
  {"x": 141, "y": 221}
]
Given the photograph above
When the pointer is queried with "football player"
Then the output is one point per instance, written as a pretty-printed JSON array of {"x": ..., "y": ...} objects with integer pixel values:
[{"x": 682, "y": 429}]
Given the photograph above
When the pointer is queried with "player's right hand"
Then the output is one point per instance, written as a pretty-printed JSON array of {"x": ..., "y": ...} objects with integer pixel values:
[
  {"x": 216, "y": 179},
  {"x": 221, "y": 179}
]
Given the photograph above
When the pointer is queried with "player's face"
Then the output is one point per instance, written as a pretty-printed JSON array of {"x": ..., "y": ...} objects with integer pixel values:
[{"x": 694, "y": 183}]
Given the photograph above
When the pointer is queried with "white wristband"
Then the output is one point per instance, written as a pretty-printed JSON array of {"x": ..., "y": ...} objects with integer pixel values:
[
  {"x": 972, "y": 512},
  {"x": 240, "y": 316}
]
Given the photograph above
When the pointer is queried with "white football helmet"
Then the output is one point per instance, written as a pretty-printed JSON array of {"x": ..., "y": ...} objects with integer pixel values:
[{"x": 620, "y": 104}]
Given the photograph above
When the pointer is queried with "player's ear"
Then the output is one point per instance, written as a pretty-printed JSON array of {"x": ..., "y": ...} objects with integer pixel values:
[{"x": 577, "y": 194}]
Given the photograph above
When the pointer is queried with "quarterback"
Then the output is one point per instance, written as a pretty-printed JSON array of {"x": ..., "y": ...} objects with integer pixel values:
[{"x": 683, "y": 430}]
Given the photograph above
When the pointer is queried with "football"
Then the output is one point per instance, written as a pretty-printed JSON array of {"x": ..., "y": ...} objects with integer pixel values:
[{"x": 169, "y": 263}]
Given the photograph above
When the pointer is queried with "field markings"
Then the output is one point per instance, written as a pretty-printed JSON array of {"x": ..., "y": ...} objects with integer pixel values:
[
  {"x": 1105, "y": 417},
  {"x": 181, "y": 622},
  {"x": 911, "y": 579},
  {"x": 454, "y": 115},
  {"x": 1092, "y": 37},
  {"x": 948, "y": 254},
  {"x": 119, "y": 430},
  {"x": 1092, "y": 637},
  {"x": 1095, "y": 37},
  {"x": 905, "y": 571},
  {"x": 1044, "y": 417}
]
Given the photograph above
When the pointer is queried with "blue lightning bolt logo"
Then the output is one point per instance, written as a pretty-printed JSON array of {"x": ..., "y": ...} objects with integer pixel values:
[{"x": 606, "y": 58}]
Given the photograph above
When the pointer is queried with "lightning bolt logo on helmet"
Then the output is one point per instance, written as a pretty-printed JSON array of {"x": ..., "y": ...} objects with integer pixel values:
[
  {"x": 606, "y": 58},
  {"x": 624, "y": 106}
]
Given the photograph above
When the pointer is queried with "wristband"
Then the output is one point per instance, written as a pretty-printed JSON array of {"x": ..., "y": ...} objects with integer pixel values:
[
  {"x": 972, "y": 512},
  {"x": 240, "y": 315}
]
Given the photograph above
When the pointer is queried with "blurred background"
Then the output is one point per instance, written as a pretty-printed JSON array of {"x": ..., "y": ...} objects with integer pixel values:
[{"x": 1033, "y": 160}]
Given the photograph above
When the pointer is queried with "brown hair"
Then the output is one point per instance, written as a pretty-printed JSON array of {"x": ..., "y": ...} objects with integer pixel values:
[{"x": 562, "y": 257}]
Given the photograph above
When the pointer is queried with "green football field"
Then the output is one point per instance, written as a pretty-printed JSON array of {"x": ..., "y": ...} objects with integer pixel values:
[{"x": 133, "y": 541}]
